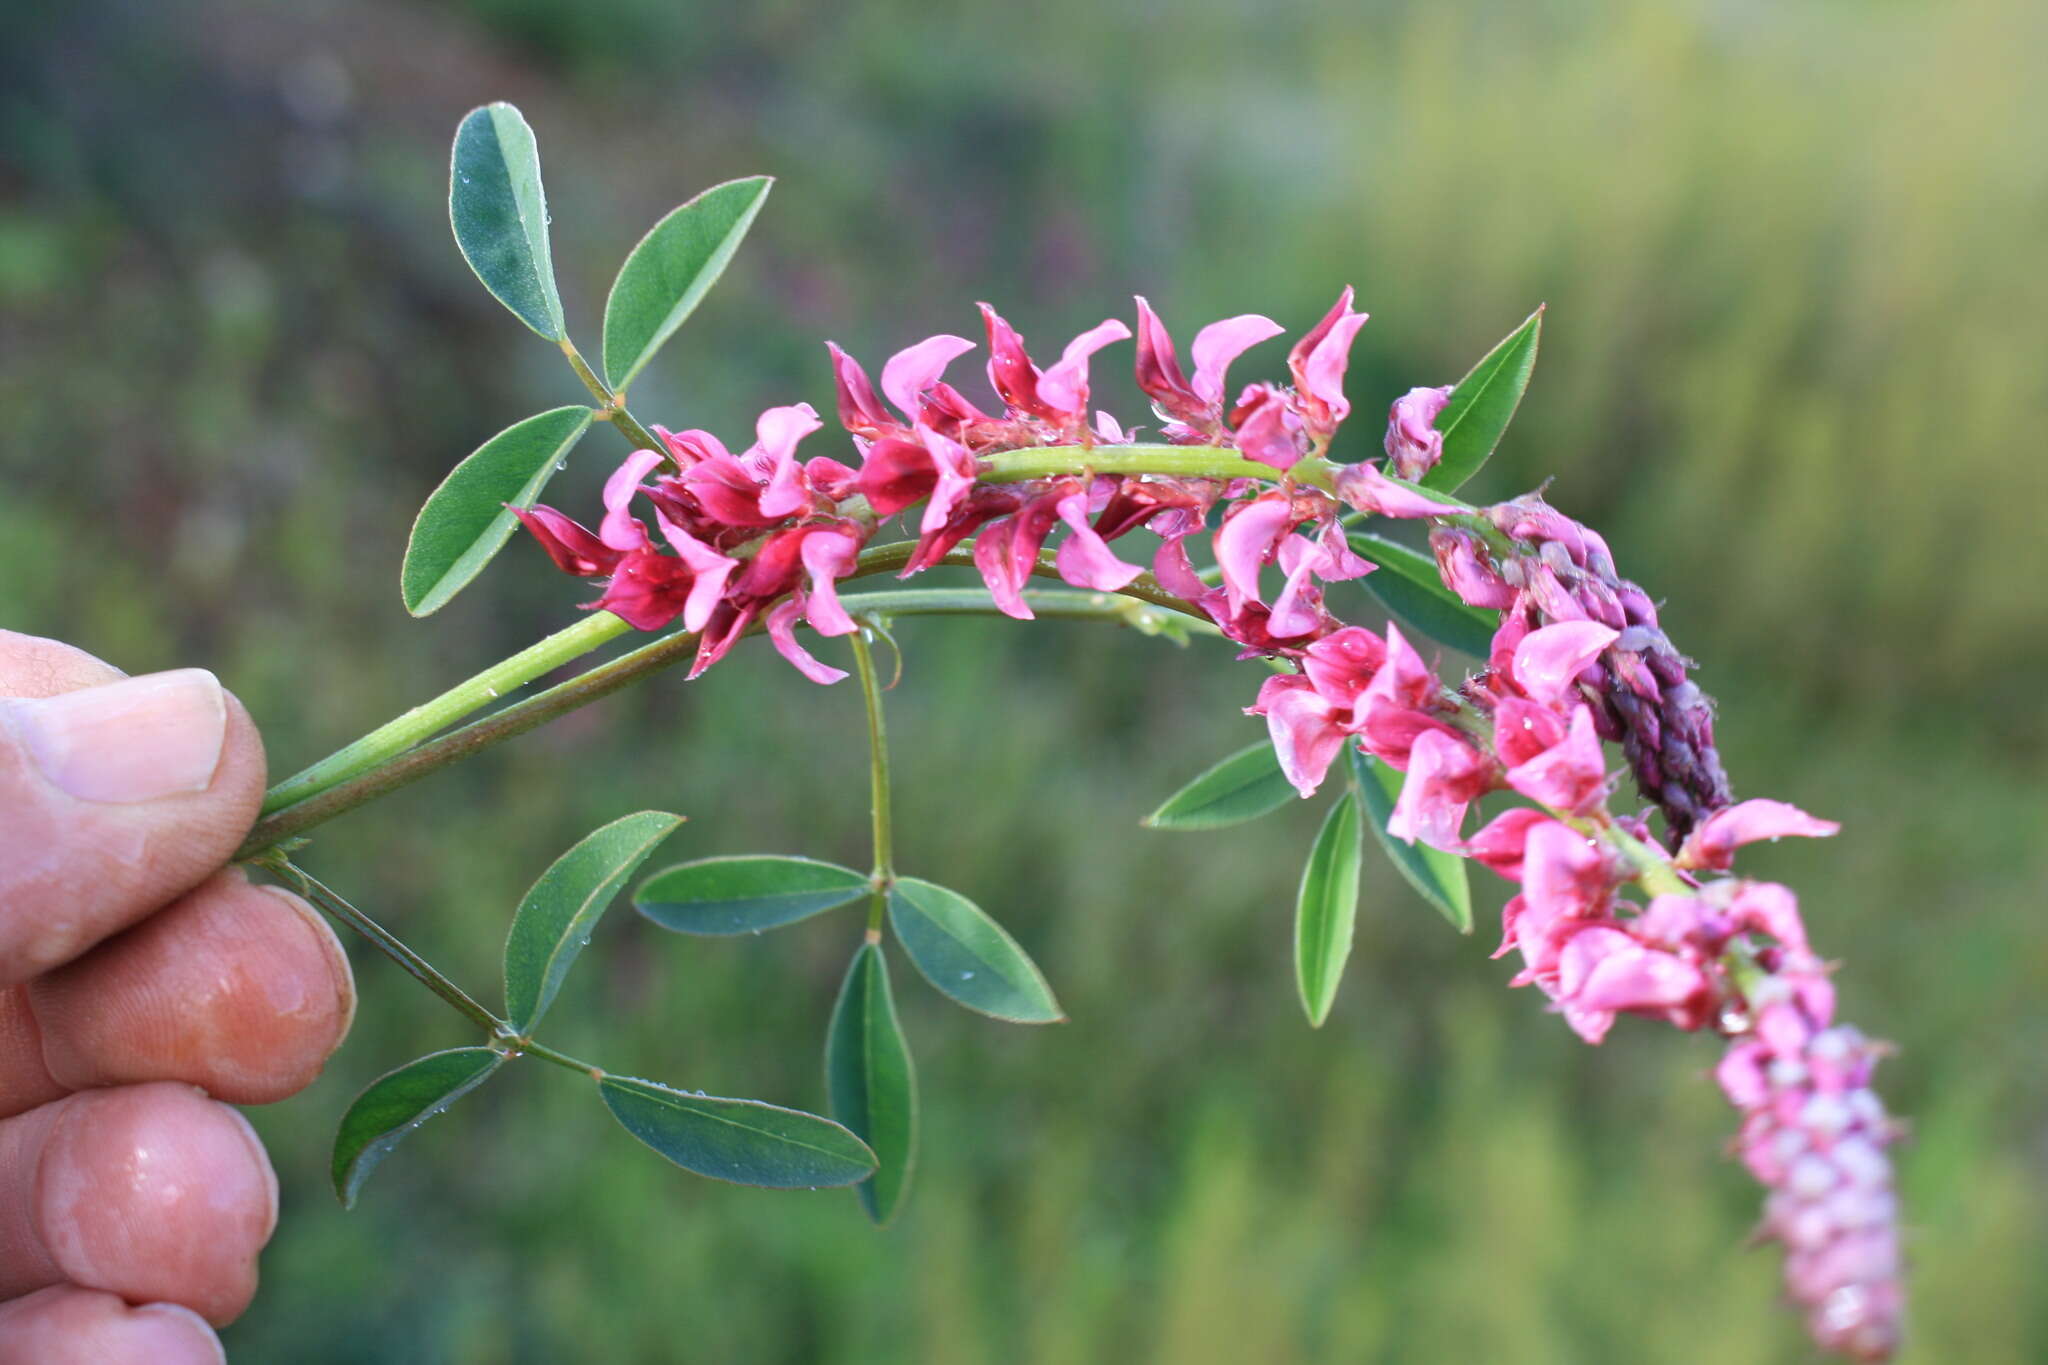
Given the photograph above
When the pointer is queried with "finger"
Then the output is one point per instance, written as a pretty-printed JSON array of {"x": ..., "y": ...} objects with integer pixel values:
[
  {"x": 119, "y": 797},
  {"x": 66, "y": 1326},
  {"x": 238, "y": 989},
  {"x": 151, "y": 1192}
]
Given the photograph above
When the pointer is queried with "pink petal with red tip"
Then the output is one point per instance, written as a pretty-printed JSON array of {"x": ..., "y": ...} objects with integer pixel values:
[
  {"x": 859, "y": 410},
  {"x": 1323, "y": 375},
  {"x": 712, "y": 570},
  {"x": 956, "y": 474},
  {"x": 992, "y": 556},
  {"x": 1547, "y": 661}
]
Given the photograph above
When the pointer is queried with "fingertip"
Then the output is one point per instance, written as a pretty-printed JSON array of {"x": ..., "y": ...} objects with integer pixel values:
[{"x": 66, "y": 1325}]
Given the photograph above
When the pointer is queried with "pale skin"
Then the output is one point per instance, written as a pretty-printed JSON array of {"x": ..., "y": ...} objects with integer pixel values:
[{"x": 145, "y": 989}]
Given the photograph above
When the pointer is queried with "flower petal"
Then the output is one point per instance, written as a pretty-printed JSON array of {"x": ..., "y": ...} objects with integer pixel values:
[
  {"x": 1218, "y": 344},
  {"x": 912, "y": 370},
  {"x": 1065, "y": 384},
  {"x": 1547, "y": 661},
  {"x": 782, "y": 631}
]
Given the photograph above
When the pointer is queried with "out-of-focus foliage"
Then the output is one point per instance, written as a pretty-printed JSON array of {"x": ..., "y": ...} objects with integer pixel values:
[{"x": 1792, "y": 365}]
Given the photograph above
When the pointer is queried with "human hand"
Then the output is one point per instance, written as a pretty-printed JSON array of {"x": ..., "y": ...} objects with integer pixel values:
[{"x": 138, "y": 977}]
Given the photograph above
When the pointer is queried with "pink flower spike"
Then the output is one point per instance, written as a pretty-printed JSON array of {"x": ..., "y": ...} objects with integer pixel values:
[
  {"x": 1248, "y": 536},
  {"x": 1414, "y": 445},
  {"x": 1084, "y": 558},
  {"x": 782, "y": 631},
  {"x": 914, "y": 369},
  {"x": 827, "y": 556},
  {"x": 1365, "y": 489},
  {"x": 1306, "y": 737},
  {"x": 1547, "y": 661},
  {"x": 1218, "y": 344},
  {"x": 1713, "y": 844},
  {"x": 1444, "y": 776},
  {"x": 712, "y": 571},
  {"x": 1065, "y": 385},
  {"x": 1570, "y": 775},
  {"x": 620, "y": 529}
]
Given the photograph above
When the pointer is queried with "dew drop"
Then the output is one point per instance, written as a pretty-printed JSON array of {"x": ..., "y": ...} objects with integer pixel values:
[
  {"x": 465, "y": 180},
  {"x": 967, "y": 976}
]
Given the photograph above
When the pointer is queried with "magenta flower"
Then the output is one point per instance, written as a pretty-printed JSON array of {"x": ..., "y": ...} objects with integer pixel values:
[
  {"x": 1306, "y": 727},
  {"x": 1570, "y": 774},
  {"x": 1058, "y": 395},
  {"x": 1713, "y": 843},
  {"x": 1269, "y": 431},
  {"x": 1467, "y": 571},
  {"x": 1318, "y": 362},
  {"x": 1365, "y": 489},
  {"x": 1249, "y": 539},
  {"x": 1445, "y": 775},
  {"x": 1084, "y": 559},
  {"x": 1548, "y": 661},
  {"x": 1603, "y": 971},
  {"x": 1413, "y": 443}
]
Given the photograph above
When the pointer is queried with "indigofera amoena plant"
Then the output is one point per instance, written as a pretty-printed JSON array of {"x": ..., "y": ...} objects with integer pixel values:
[{"x": 1249, "y": 528}]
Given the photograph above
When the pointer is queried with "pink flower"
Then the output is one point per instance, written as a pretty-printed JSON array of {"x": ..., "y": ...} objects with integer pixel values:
[
  {"x": 710, "y": 572},
  {"x": 1548, "y": 661},
  {"x": 1564, "y": 874},
  {"x": 1249, "y": 538},
  {"x": 1341, "y": 664},
  {"x": 1570, "y": 775},
  {"x": 620, "y": 529},
  {"x": 1498, "y": 844},
  {"x": 1413, "y": 443},
  {"x": 1367, "y": 490},
  {"x": 1084, "y": 560},
  {"x": 782, "y": 633},
  {"x": 1267, "y": 429},
  {"x": 773, "y": 459},
  {"x": 1713, "y": 843},
  {"x": 1058, "y": 395},
  {"x": 1065, "y": 385},
  {"x": 1007, "y": 552},
  {"x": 914, "y": 370},
  {"x": 1305, "y": 726},
  {"x": 1466, "y": 570},
  {"x": 1318, "y": 362},
  {"x": 1444, "y": 776},
  {"x": 1603, "y": 971},
  {"x": 1220, "y": 343},
  {"x": 573, "y": 548}
]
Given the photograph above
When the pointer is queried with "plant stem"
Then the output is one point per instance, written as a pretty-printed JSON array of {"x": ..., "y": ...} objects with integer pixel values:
[
  {"x": 878, "y": 781},
  {"x": 1188, "y": 462},
  {"x": 396, "y": 736},
  {"x": 347, "y": 791},
  {"x": 387, "y": 943},
  {"x": 612, "y": 406}
]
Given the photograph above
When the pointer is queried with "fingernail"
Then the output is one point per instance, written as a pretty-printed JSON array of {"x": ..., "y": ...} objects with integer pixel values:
[
  {"x": 131, "y": 741},
  {"x": 171, "y": 1332}
]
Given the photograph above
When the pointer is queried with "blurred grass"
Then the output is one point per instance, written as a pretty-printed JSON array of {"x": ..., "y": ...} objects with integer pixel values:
[{"x": 1793, "y": 367}]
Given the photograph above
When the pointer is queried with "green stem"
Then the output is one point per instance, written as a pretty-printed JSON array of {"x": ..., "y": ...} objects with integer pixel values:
[
  {"x": 612, "y": 406},
  {"x": 396, "y": 736},
  {"x": 386, "y": 943},
  {"x": 878, "y": 782},
  {"x": 351, "y": 790},
  {"x": 1187, "y": 462}
]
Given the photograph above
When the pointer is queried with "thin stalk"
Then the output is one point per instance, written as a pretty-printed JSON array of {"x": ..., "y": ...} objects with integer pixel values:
[
  {"x": 612, "y": 405},
  {"x": 396, "y": 736},
  {"x": 387, "y": 943},
  {"x": 1188, "y": 462},
  {"x": 601, "y": 681},
  {"x": 878, "y": 783}
]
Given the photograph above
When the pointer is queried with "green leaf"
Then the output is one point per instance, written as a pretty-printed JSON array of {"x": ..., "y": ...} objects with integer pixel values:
[
  {"x": 466, "y": 521},
  {"x": 871, "y": 1080},
  {"x": 396, "y": 1103},
  {"x": 500, "y": 215},
  {"x": 1410, "y": 587},
  {"x": 1439, "y": 876},
  {"x": 1242, "y": 787},
  {"x": 1326, "y": 909},
  {"x": 671, "y": 270},
  {"x": 555, "y": 919},
  {"x": 967, "y": 955},
  {"x": 1482, "y": 403},
  {"x": 744, "y": 1141},
  {"x": 742, "y": 895}
]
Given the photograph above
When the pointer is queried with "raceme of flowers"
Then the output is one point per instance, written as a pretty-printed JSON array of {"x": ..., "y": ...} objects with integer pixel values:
[{"x": 1607, "y": 919}]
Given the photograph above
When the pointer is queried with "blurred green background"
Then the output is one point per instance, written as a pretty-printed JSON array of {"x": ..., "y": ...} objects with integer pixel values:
[{"x": 1794, "y": 367}]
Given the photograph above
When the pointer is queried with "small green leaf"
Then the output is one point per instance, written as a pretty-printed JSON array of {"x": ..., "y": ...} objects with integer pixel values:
[
  {"x": 1439, "y": 876},
  {"x": 741, "y": 895},
  {"x": 396, "y": 1103},
  {"x": 466, "y": 521},
  {"x": 1482, "y": 403},
  {"x": 555, "y": 919},
  {"x": 500, "y": 215},
  {"x": 1326, "y": 909},
  {"x": 967, "y": 955},
  {"x": 1242, "y": 787},
  {"x": 744, "y": 1141},
  {"x": 671, "y": 270},
  {"x": 871, "y": 1080},
  {"x": 1410, "y": 587}
]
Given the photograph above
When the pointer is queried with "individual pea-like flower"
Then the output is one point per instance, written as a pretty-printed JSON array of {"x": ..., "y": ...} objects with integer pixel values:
[{"x": 1413, "y": 444}]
